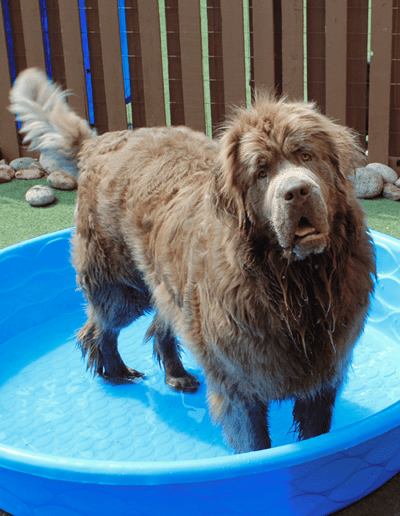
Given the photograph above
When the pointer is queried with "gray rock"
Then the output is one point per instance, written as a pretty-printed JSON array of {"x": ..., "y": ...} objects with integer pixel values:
[
  {"x": 30, "y": 173},
  {"x": 22, "y": 163},
  {"x": 397, "y": 183},
  {"x": 388, "y": 174},
  {"x": 4, "y": 177},
  {"x": 368, "y": 183},
  {"x": 62, "y": 181},
  {"x": 391, "y": 192},
  {"x": 40, "y": 195},
  {"x": 6, "y": 173}
]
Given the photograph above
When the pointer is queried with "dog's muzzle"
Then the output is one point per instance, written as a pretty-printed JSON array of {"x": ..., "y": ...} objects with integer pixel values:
[{"x": 299, "y": 213}]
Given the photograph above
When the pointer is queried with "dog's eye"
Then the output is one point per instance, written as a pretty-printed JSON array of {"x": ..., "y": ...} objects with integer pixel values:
[
  {"x": 263, "y": 172},
  {"x": 305, "y": 156}
]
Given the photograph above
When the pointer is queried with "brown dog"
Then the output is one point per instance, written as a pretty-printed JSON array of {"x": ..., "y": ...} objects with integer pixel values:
[{"x": 253, "y": 248}]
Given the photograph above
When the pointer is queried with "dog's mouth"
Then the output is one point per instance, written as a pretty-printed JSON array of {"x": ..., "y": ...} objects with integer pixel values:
[
  {"x": 307, "y": 239},
  {"x": 304, "y": 230}
]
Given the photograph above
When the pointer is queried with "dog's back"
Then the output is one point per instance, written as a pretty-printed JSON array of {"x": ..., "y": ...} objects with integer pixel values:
[{"x": 136, "y": 188}]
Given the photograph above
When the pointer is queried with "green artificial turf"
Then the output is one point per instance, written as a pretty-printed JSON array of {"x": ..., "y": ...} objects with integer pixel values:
[
  {"x": 383, "y": 215},
  {"x": 20, "y": 221}
]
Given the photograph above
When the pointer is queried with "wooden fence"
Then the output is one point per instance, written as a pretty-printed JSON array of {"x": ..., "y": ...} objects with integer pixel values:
[{"x": 187, "y": 61}]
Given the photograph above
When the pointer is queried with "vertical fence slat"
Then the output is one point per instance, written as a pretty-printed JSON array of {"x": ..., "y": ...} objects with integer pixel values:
[
  {"x": 379, "y": 87},
  {"x": 174, "y": 62},
  {"x": 251, "y": 49},
  {"x": 17, "y": 36},
  {"x": 96, "y": 66},
  {"x": 336, "y": 56},
  {"x": 135, "y": 63},
  {"x": 112, "y": 65},
  {"x": 191, "y": 62},
  {"x": 278, "y": 45},
  {"x": 33, "y": 37},
  {"x": 263, "y": 41},
  {"x": 73, "y": 56},
  {"x": 292, "y": 49},
  {"x": 215, "y": 62},
  {"x": 8, "y": 133},
  {"x": 150, "y": 42},
  {"x": 233, "y": 52},
  {"x": 394, "y": 128},
  {"x": 357, "y": 66},
  {"x": 316, "y": 83},
  {"x": 55, "y": 41}
]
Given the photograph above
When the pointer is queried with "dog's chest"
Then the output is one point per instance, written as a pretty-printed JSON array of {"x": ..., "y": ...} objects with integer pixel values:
[{"x": 257, "y": 338}]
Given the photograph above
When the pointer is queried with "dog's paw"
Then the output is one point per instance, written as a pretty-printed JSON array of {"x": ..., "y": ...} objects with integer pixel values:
[
  {"x": 127, "y": 376},
  {"x": 186, "y": 383}
]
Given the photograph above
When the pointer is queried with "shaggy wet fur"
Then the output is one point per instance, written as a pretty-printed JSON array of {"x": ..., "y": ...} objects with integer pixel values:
[{"x": 252, "y": 248}]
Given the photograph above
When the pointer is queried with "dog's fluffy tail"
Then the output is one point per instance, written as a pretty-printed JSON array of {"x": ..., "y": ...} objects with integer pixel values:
[{"x": 48, "y": 122}]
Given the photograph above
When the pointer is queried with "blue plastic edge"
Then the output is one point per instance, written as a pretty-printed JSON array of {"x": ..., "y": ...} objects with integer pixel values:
[
  {"x": 202, "y": 470},
  {"x": 26, "y": 244}
]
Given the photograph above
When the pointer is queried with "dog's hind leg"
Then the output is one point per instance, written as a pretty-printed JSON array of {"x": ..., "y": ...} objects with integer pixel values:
[
  {"x": 167, "y": 351},
  {"x": 111, "y": 307},
  {"x": 313, "y": 415},
  {"x": 103, "y": 356}
]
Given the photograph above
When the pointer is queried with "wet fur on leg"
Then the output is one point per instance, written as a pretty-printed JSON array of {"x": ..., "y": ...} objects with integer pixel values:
[
  {"x": 244, "y": 420},
  {"x": 110, "y": 308},
  {"x": 312, "y": 416},
  {"x": 167, "y": 351},
  {"x": 103, "y": 355}
]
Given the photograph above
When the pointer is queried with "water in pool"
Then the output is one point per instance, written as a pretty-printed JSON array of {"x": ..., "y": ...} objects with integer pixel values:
[{"x": 50, "y": 404}]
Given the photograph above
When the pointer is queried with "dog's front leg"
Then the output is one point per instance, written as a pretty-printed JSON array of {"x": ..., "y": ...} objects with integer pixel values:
[
  {"x": 313, "y": 415},
  {"x": 245, "y": 422}
]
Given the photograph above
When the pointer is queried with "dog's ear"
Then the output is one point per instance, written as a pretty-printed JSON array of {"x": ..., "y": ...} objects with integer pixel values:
[
  {"x": 347, "y": 151},
  {"x": 229, "y": 192}
]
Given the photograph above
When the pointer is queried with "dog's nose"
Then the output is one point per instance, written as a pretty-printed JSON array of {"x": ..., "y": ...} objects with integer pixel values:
[{"x": 296, "y": 192}]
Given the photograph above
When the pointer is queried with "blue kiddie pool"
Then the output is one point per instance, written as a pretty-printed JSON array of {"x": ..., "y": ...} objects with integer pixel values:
[{"x": 72, "y": 445}]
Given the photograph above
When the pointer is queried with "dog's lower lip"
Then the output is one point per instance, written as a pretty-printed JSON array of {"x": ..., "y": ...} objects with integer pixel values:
[
  {"x": 314, "y": 235},
  {"x": 310, "y": 241},
  {"x": 305, "y": 231}
]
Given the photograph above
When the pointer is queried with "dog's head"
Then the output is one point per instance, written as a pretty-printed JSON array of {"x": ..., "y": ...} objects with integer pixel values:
[{"x": 281, "y": 166}]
